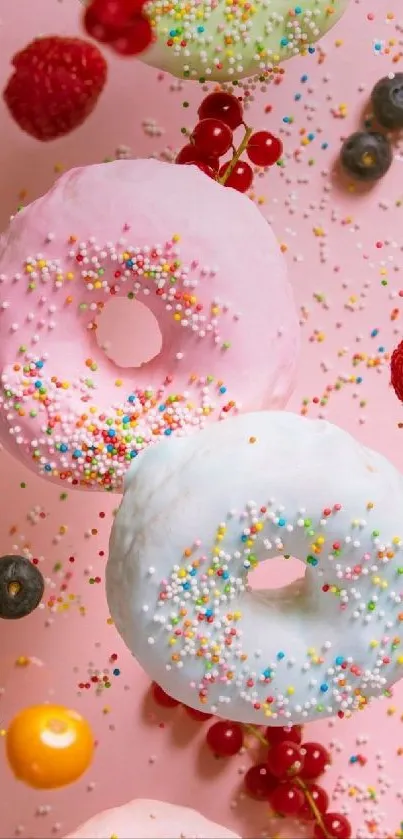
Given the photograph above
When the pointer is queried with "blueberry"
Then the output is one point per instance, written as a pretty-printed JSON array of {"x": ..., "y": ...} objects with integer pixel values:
[
  {"x": 366, "y": 155},
  {"x": 387, "y": 101},
  {"x": 21, "y": 587}
]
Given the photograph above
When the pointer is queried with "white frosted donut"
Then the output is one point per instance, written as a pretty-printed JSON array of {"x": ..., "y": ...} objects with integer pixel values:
[
  {"x": 185, "y": 273},
  {"x": 231, "y": 39},
  {"x": 147, "y": 819},
  {"x": 199, "y": 515}
]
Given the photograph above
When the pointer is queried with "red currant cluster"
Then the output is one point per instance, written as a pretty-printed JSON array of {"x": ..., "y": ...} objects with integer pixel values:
[
  {"x": 121, "y": 24},
  {"x": 220, "y": 114},
  {"x": 287, "y": 778}
]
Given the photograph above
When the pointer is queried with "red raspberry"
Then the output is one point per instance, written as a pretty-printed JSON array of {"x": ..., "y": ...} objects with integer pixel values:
[
  {"x": 55, "y": 85},
  {"x": 396, "y": 371}
]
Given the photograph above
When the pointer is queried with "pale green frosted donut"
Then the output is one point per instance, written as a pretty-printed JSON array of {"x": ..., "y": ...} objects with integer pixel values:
[{"x": 226, "y": 40}]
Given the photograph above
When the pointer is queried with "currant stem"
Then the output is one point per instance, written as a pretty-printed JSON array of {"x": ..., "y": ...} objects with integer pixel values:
[
  {"x": 318, "y": 816},
  {"x": 240, "y": 150}
]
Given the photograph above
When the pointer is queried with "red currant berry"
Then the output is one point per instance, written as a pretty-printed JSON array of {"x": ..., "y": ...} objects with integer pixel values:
[
  {"x": 212, "y": 137},
  {"x": 264, "y": 149},
  {"x": 101, "y": 32},
  {"x": 259, "y": 782},
  {"x": 287, "y": 799},
  {"x": 241, "y": 177},
  {"x": 225, "y": 738},
  {"x": 199, "y": 716},
  {"x": 275, "y": 734},
  {"x": 116, "y": 13},
  {"x": 135, "y": 38},
  {"x": 190, "y": 154},
  {"x": 316, "y": 758},
  {"x": 285, "y": 760},
  {"x": 162, "y": 698},
  {"x": 204, "y": 168},
  {"x": 336, "y": 827},
  {"x": 222, "y": 106},
  {"x": 320, "y": 799}
]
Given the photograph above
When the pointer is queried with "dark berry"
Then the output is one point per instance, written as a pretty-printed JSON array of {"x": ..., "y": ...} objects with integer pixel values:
[
  {"x": 259, "y": 782},
  {"x": 21, "y": 587},
  {"x": 223, "y": 106},
  {"x": 366, "y": 155},
  {"x": 336, "y": 826},
  {"x": 387, "y": 101},
  {"x": 162, "y": 698},
  {"x": 287, "y": 799},
  {"x": 240, "y": 177},
  {"x": 212, "y": 137},
  {"x": 275, "y": 734},
  {"x": 224, "y": 738},
  {"x": 316, "y": 759},
  {"x": 285, "y": 759},
  {"x": 320, "y": 799}
]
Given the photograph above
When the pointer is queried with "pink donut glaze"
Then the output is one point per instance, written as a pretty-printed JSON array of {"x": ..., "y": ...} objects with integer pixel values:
[
  {"x": 203, "y": 260},
  {"x": 147, "y": 819}
]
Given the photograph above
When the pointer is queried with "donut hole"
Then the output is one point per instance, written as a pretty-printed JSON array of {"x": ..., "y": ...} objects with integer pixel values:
[
  {"x": 277, "y": 573},
  {"x": 128, "y": 332}
]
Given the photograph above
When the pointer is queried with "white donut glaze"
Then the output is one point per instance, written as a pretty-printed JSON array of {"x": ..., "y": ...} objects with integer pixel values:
[
  {"x": 147, "y": 819},
  {"x": 307, "y": 489},
  {"x": 225, "y": 40}
]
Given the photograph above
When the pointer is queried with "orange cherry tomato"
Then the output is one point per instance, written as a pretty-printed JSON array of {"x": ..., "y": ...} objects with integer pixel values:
[{"x": 49, "y": 746}]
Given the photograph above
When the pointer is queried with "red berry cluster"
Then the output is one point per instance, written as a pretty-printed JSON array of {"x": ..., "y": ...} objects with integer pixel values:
[
  {"x": 287, "y": 778},
  {"x": 121, "y": 24},
  {"x": 220, "y": 114}
]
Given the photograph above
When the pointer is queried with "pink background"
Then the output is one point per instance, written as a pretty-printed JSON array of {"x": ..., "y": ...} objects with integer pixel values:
[{"x": 345, "y": 256}]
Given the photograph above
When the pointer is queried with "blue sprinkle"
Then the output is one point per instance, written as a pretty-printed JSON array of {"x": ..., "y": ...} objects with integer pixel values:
[
  {"x": 304, "y": 78},
  {"x": 77, "y": 453},
  {"x": 186, "y": 586},
  {"x": 225, "y": 575},
  {"x": 324, "y": 688},
  {"x": 339, "y": 659},
  {"x": 48, "y": 467},
  {"x": 133, "y": 454},
  {"x": 193, "y": 572},
  {"x": 200, "y": 28},
  {"x": 297, "y": 97},
  {"x": 223, "y": 389},
  {"x": 38, "y": 385},
  {"x": 111, "y": 432},
  {"x": 324, "y": 146},
  {"x": 267, "y": 673},
  {"x": 244, "y": 538},
  {"x": 167, "y": 432},
  {"x": 131, "y": 398},
  {"x": 281, "y": 522},
  {"x": 126, "y": 419},
  {"x": 110, "y": 447},
  {"x": 311, "y": 50},
  {"x": 161, "y": 408},
  {"x": 280, "y": 656},
  {"x": 39, "y": 364},
  {"x": 63, "y": 447},
  {"x": 298, "y": 10},
  {"x": 209, "y": 613},
  {"x": 116, "y": 671},
  {"x": 284, "y": 42},
  {"x": 374, "y": 333},
  {"x": 311, "y": 136},
  {"x": 358, "y": 380}
]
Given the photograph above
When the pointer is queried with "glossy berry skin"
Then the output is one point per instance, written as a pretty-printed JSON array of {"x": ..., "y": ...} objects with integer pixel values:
[
  {"x": 287, "y": 799},
  {"x": 115, "y": 13},
  {"x": 336, "y": 827},
  {"x": 264, "y": 149},
  {"x": 285, "y": 760},
  {"x": 320, "y": 799},
  {"x": 212, "y": 137},
  {"x": 396, "y": 371},
  {"x": 223, "y": 106},
  {"x": 198, "y": 716},
  {"x": 241, "y": 177},
  {"x": 224, "y": 738},
  {"x": 366, "y": 155},
  {"x": 190, "y": 154},
  {"x": 135, "y": 38},
  {"x": 275, "y": 734},
  {"x": 316, "y": 759},
  {"x": 387, "y": 101},
  {"x": 163, "y": 699},
  {"x": 259, "y": 782}
]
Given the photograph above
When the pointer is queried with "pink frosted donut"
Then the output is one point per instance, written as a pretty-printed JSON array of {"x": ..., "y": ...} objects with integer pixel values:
[
  {"x": 138, "y": 299},
  {"x": 144, "y": 819}
]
